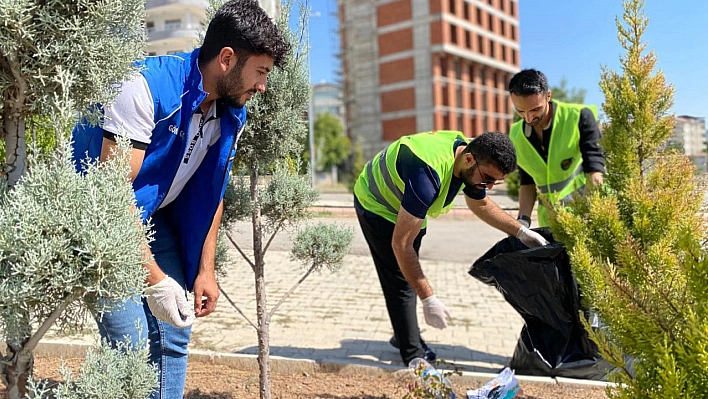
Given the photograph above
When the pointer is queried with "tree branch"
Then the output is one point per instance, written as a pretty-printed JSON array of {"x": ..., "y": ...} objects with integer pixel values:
[
  {"x": 37, "y": 336},
  {"x": 236, "y": 306},
  {"x": 253, "y": 267},
  {"x": 292, "y": 289},
  {"x": 273, "y": 236}
]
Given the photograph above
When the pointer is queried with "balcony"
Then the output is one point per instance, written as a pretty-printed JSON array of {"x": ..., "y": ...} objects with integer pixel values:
[
  {"x": 152, "y": 4},
  {"x": 189, "y": 31}
]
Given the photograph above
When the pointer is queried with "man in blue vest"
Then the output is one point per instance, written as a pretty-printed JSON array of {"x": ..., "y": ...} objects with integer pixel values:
[
  {"x": 557, "y": 146},
  {"x": 183, "y": 115}
]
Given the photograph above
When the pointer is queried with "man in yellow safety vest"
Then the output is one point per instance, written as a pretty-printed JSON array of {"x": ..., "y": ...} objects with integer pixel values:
[
  {"x": 557, "y": 146},
  {"x": 415, "y": 177}
]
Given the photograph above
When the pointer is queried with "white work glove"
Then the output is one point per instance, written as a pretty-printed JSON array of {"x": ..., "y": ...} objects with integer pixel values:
[
  {"x": 530, "y": 238},
  {"x": 167, "y": 301},
  {"x": 436, "y": 313}
]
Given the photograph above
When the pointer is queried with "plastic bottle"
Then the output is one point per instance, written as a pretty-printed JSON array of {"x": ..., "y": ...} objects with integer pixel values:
[{"x": 431, "y": 374}]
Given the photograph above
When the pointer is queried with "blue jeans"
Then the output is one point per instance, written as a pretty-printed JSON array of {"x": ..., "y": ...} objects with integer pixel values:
[{"x": 167, "y": 344}]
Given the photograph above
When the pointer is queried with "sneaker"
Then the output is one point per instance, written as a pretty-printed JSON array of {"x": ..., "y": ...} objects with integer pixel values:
[{"x": 430, "y": 355}]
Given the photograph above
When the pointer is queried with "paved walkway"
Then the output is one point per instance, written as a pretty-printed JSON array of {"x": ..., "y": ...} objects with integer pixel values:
[{"x": 341, "y": 316}]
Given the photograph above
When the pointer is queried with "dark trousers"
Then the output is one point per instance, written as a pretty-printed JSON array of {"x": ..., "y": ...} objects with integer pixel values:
[{"x": 400, "y": 297}]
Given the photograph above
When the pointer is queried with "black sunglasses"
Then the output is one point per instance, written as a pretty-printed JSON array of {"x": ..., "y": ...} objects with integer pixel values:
[{"x": 484, "y": 184}]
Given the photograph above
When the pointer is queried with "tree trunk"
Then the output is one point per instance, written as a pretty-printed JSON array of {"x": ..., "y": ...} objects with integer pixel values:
[
  {"x": 13, "y": 125},
  {"x": 15, "y": 144},
  {"x": 335, "y": 175},
  {"x": 18, "y": 370},
  {"x": 261, "y": 303}
]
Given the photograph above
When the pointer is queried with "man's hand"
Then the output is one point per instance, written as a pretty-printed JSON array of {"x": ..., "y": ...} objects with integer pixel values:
[
  {"x": 530, "y": 238},
  {"x": 206, "y": 293},
  {"x": 596, "y": 179},
  {"x": 436, "y": 313},
  {"x": 167, "y": 301}
]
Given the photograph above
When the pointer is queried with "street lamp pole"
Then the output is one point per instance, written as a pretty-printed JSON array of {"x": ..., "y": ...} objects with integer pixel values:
[
  {"x": 311, "y": 109},
  {"x": 311, "y": 133}
]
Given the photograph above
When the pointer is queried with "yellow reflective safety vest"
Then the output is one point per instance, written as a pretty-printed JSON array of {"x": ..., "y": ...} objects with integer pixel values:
[
  {"x": 379, "y": 188},
  {"x": 559, "y": 178}
]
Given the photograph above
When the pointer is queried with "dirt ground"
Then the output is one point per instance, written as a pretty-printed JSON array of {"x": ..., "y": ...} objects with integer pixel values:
[{"x": 208, "y": 381}]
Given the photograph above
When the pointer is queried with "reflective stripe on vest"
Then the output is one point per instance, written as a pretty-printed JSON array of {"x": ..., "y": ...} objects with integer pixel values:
[
  {"x": 374, "y": 188},
  {"x": 556, "y": 187}
]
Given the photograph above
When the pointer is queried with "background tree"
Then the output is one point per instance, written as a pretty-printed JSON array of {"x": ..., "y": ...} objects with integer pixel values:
[
  {"x": 331, "y": 145},
  {"x": 57, "y": 57},
  {"x": 638, "y": 244},
  {"x": 563, "y": 94},
  {"x": 357, "y": 163},
  {"x": 270, "y": 193}
]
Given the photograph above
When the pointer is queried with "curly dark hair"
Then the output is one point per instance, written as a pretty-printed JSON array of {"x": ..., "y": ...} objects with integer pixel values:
[
  {"x": 494, "y": 148},
  {"x": 245, "y": 27},
  {"x": 528, "y": 82}
]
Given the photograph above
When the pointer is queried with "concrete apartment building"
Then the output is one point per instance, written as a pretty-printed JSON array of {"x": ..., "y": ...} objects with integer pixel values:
[
  {"x": 419, "y": 65},
  {"x": 690, "y": 134},
  {"x": 327, "y": 97},
  {"x": 173, "y": 26}
]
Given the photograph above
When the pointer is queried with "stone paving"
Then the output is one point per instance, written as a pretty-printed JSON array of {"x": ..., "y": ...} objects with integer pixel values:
[{"x": 341, "y": 316}]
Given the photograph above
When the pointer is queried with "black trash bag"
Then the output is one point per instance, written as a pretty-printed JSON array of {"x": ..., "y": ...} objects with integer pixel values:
[{"x": 539, "y": 284}]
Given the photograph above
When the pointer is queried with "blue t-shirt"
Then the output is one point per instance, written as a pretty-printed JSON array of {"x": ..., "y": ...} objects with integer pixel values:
[{"x": 422, "y": 183}]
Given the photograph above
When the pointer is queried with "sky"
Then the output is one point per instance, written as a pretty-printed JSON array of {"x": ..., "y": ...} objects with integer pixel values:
[{"x": 574, "y": 39}]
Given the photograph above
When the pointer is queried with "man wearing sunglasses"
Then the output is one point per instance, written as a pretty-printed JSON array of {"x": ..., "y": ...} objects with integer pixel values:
[{"x": 415, "y": 177}]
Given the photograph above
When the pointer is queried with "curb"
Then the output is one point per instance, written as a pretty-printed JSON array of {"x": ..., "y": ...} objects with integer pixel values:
[{"x": 283, "y": 365}]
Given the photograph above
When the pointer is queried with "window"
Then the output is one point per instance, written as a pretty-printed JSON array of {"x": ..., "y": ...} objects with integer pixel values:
[
  {"x": 502, "y": 5},
  {"x": 513, "y": 8},
  {"x": 453, "y": 34},
  {"x": 513, "y": 32},
  {"x": 491, "y": 48},
  {"x": 467, "y": 11},
  {"x": 151, "y": 53},
  {"x": 459, "y": 122},
  {"x": 445, "y": 122},
  {"x": 458, "y": 69},
  {"x": 479, "y": 16},
  {"x": 150, "y": 26},
  {"x": 443, "y": 66},
  {"x": 490, "y": 22},
  {"x": 445, "y": 95},
  {"x": 480, "y": 44},
  {"x": 502, "y": 25},
  {"x": 468, "y": 39},
  {"x": 452, "y": 7},
  {"x": 503, "y": 52},
  {"x": 173, "y": 24},
  {"x": 513, "y": 56},
  {"x": 458, "y": 96}
]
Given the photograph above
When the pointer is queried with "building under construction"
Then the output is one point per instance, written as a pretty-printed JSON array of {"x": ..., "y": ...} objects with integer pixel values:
[{"x": 418, "y": 65}]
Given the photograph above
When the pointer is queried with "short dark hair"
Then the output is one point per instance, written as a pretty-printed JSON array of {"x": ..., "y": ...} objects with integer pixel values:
[
  {"x": 528, "y": 82},
  {"x": 494, "y": 148},
  {"x": 245, "y": 27}
]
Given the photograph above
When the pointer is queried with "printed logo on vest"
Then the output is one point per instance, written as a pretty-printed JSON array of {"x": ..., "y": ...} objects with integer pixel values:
[{"x": 565, "y": 164}]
